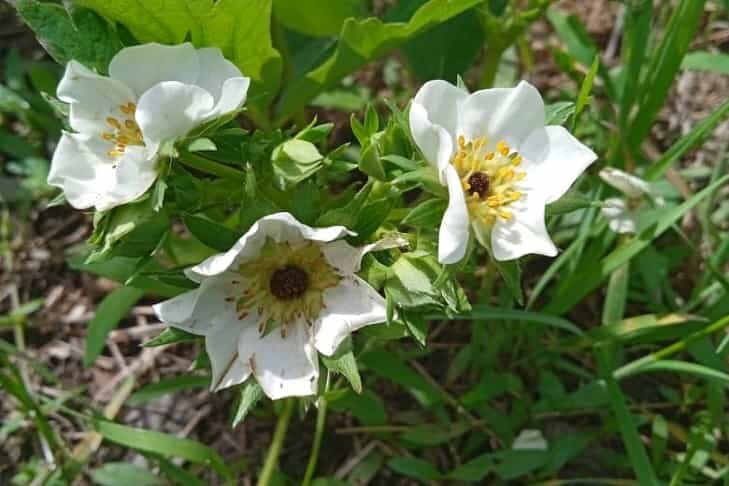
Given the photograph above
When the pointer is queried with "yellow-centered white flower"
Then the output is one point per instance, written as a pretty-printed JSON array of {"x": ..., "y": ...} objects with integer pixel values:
[
  {"x": 282, "y": 293},
  {"x": 500, "y": 163},
  {"x": 153, "y": 94}
]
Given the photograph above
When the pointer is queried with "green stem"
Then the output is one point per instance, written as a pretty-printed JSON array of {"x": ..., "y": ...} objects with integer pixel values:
[
  {"x": 210, "y": 166},
  {"x": 274, "y": 449},
  {"x": 491, "y": 63},
  {"x": 321, "y": 417}
]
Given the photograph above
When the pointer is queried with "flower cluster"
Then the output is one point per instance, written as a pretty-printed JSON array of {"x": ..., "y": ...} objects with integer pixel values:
[{"x": 279, "y": 293}]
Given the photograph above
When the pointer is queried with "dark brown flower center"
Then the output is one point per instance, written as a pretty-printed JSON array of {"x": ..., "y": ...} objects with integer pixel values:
[
  {"x": 479, "y": 184},
  {"x": 289, "y": 282}
]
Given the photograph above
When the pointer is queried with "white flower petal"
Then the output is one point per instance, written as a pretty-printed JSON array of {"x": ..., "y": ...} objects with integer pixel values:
[
  {"x": 280, "y": 227},
  {"x": 453, "y": 233},
  {"x": 170, "y": 110},
  {"x": 347, "y": 258},
  {"x": 142, "y": 67},
  {"x": 524, "y": 233},
  {"x": 135, "y": 172},
  {"x": 434, "y": 120},
  {"x": 93, "y": 98},
  {"x": 433, "y": 140},
  {"x": 442, "y": 101},
  {"x": 509, "y": 114},
  {"x": 620, "y": 218},
  {"x": 200, "y": 310},
  {"x": 284, "y": 366},
  {"x": 630, "y": 185},
  {"x": 553, "y": 160},
  {"x": 530, "y": 440},
  {"x": 222, "y": 347},
  {"x": 347, "y": 307},
  {"x": 214, "y": 71},
  {"x": 232, "y": 97},
  {"x": 80, "y": 170}
]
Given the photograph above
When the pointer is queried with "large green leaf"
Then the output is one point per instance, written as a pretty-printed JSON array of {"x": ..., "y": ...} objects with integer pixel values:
[
  {"x": 361, "y": 41},
  {"x": 165, "y": 21},
  {"x": 70, "y": 34},
  {"x": 316, "y": 18},
  {"x": 445, "y": 51},
  {"x": 242, "y": 30}
]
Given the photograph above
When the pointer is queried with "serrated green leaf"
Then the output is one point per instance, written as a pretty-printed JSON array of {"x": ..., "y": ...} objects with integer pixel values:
[
  {"x": 250, "y": 393},
  {"x": 316, "y": 18},
  {"x": 77, "y": 34}
]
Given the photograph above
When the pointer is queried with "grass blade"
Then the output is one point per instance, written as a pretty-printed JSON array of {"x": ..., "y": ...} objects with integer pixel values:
[
  {"x": 112, "y": 309},
  {"x": 636, "y": 452}
]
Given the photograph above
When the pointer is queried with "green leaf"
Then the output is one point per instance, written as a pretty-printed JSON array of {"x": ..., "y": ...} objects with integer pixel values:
[
  {"x": 636, "y": 452},
  {"x": 558, "y": 113},
  {"x": 344, "y": 363},
  {"x": 664, "y": 64},
  {"x": 510, "y": 271},
  {"x": 583, "y": 98},
  {"x": 675, "y": 366},
  {"x": 167, "y": 386},
  {"x": 164, "y": 21},
  {"x": 490, "y": 313},
  {"x": 132, "y": 230},
  {"x": 359, "y": 42},
  {"x": 572, "y": 201},
  {"x": 426, "y": 215},
  {"x": 77, "y": 34},
  {"x": 250, "y": 393},
  {"x": 316, "y": 18},
  {"x": 109, "y": 313},
  {"x": 171, "y": 335},
  {"x": 617, "y": 295},
  {"x": 638, "y": 18},
  {"x": 367, "y": 407},
  {"x": 687, "y": 142},
  {"x": 391, "y": 367},
  {"x": 124, "y": 474},
  {"x": 414, "y": 468},
  {"x": 164, "y": 444},
  {"x": 210, "y": 233},
  {"x": 430, "y": 435},
  {"x": 445, "y": 51},
  {"x": 591, "y": 277},
  {"x": 706, "y": 61},
  {"x": 242, "y": 30}
]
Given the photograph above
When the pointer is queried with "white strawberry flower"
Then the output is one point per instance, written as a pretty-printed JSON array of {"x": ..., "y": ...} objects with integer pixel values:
[
  {"x": 623, "y": 213},
  {"x": 154, "y": 93},
  {"x": 283, "y": 293},
  {"x": 500, "y": 163}
]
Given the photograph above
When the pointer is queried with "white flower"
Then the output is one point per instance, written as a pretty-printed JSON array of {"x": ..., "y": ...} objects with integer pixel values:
[
  {"x": 530, "y": 440},
  {"x": 501, "y": 165},
  {"x": 154, "y": 93},
  {"x": 622, "y": 213},
  {"x": 283, "y": 292}
]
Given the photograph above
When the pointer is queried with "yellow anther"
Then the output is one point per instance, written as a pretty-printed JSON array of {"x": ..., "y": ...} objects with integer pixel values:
[
  {"x": 502, "y": 147},
  {"x": 113, "y": 122},
  {"x": 489, "y": 156},
  {"x": 461, "y": 141},
  {"x": 130, "y": 124},
  {"x": 128, "y": 109},
  {"x": 505, "y": 214},
  {"x": 516, "y": 160},
  {"x": 520, "y": 176},
  {"x": 107, "y": 136}
]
